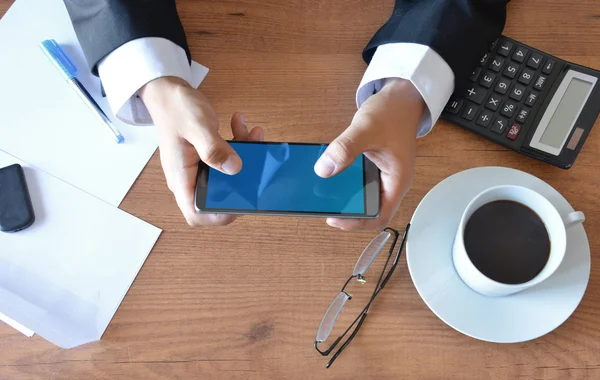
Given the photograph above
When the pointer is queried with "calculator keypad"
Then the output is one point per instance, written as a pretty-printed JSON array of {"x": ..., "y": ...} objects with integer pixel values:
[{"x": 502, "y": 97}]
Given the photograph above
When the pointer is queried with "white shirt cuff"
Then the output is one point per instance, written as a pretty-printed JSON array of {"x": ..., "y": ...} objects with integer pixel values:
[
  {"x": 129, "y": 67},
  {"x": 419, "y": 64}
]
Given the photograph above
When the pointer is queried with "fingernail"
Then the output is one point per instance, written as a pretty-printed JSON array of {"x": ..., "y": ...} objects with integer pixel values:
[
  {"x": 232, "y": 165},
  {"x": 262, "y": 135},
  {"x": 243, "y": 120},
  {"x": 324, "y": 166},
  {"x": 333, "y": 224}
]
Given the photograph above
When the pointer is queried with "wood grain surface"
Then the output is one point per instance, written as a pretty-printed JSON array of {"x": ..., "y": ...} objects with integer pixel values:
[{"x": 244, "y": 301}]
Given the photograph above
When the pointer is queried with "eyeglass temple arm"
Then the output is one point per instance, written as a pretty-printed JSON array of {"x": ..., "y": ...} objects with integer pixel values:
[
  {"x": 347, "y": 342},
  {"x": 333, "y": 345},
  {"x": 396, "y": 258}
]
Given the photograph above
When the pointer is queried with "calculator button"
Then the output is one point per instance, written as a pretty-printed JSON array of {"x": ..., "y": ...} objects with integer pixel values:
[
  {"x": 502, "y": 86},
  {"x": 513, "y": 132},
  {"x": 494, "y": 44},
  {"x": 504, "y": 48},
  {"x": 535, "y": 61},
  {"x": 500, "y": 125},
  {"x": 469, "y": 112},
  {"x": 540, "y": 82},
  {"x": 475, "y": 74},
  {"x": 511, "y": 70},
  {"x": 520, "y": 54},
  {"x": 493, "y": 102},
  {"x": 488, "y": 79},
  {"x": 496, "y": 64},
  {"x": 548, "y": 67},
  {"x": 526, "y": 76},
  {"x": 484, "y": 59},
  {"x": 509, "y": 108},
  {"x": 517, "y": 92},
  {"x": 475, "y": 94},
  {"x": 522, "y": 115},
  {"x": 453, "y": 105},
  {"x": 484, "y": 119},
  {"x": 531, "y": 98}
]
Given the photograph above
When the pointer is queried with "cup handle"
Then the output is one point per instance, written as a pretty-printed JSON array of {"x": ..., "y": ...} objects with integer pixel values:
[{"x": 573, "y": 219}]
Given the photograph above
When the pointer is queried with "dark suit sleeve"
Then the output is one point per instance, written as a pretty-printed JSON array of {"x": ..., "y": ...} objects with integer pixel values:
[
  {"x": 104, "y": 25},
  {"x": 460, "y": 31}
]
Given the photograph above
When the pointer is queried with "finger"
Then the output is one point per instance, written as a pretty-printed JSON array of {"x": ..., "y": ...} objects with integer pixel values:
[
  {"x": 210, "y": 220},
  {"x": 184, "y": 196},
  {"x": 393, "y": 189},
  {"x": 181, "y": 180},
  {"x": 256, "y": 134},
  {"x": 238, "y": 127},
  {"x": 214, "y": 151},
  {"x": 342, "y": 152},
  {"x": 183, "y": 187}
]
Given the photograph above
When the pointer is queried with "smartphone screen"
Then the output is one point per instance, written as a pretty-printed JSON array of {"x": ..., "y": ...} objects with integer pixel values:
[{"x": 280, "y": 178}]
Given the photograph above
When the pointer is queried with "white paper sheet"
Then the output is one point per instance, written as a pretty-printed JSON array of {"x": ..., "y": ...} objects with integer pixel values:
[
  {"x": 42, "y": 120},
  {"x": 16, "y": 325},
  {"x": 65, "y": 276}
]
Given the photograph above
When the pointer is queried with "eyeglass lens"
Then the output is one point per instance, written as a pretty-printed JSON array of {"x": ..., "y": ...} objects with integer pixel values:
[
  {"x": 370, "y": 253},
  {"x": 331, "y": 316}
]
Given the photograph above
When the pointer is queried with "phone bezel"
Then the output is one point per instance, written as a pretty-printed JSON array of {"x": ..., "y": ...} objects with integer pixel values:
[{"x": 371, "y": 179}]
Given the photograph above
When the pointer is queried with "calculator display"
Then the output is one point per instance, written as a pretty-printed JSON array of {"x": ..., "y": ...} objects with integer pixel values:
[
  {"x": 566, "y": 113},
  {"x": 562, "y": 112}
]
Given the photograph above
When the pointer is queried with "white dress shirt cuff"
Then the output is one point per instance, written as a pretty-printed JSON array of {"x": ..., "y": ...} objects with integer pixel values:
[
  {"x": 129, "y": 67},
  {"x": 419, "y": 64}
]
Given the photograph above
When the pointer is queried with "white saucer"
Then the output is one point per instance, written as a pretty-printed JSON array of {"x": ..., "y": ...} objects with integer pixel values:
[{"x": 515, "y": 318}]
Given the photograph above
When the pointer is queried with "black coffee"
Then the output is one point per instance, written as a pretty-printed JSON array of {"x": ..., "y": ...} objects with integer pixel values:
[{"x": 507, "y": 241}]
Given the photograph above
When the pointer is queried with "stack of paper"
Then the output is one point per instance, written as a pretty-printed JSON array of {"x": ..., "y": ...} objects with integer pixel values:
[{"x": 65, "y": 276}]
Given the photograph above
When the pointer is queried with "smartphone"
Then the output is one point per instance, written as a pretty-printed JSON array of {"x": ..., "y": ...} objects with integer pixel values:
[
  {"x": 279, "y": 179},
  {"x": 16, "y": 209}
]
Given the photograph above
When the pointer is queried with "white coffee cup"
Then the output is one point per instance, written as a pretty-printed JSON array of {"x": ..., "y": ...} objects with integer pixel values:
[{"x": 556, "y": 226}]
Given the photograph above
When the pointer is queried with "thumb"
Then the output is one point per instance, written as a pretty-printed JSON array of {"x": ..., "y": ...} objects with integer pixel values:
[
  {"x": 342, "y": 152},
  {"x": 216, "y": 152}
]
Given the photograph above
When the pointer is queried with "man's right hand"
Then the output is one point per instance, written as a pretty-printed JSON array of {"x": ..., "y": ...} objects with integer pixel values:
[{"x": 188, "y": 131}]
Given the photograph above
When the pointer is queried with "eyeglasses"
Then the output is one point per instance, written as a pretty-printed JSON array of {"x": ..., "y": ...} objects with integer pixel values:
[{"x": 364, "y": 262}]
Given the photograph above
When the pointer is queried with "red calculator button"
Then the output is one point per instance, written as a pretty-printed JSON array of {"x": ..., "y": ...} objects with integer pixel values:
[{"x": 513, "y": 132}]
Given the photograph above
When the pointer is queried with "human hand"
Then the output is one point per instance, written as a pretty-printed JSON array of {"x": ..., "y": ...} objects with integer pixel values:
[
  {"x": 385, "y": 130},
  {"x": 188, "y": 131}
]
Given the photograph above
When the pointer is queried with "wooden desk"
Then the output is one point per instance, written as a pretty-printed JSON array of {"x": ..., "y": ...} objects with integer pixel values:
[{"x": 244, "y": 301}]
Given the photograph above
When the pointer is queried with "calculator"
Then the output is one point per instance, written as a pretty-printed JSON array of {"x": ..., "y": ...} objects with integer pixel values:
[{"x": 529, "y": 101}]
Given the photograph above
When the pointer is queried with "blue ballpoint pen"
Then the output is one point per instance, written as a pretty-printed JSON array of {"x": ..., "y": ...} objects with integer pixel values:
[{"x": 69, "y": 72}]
